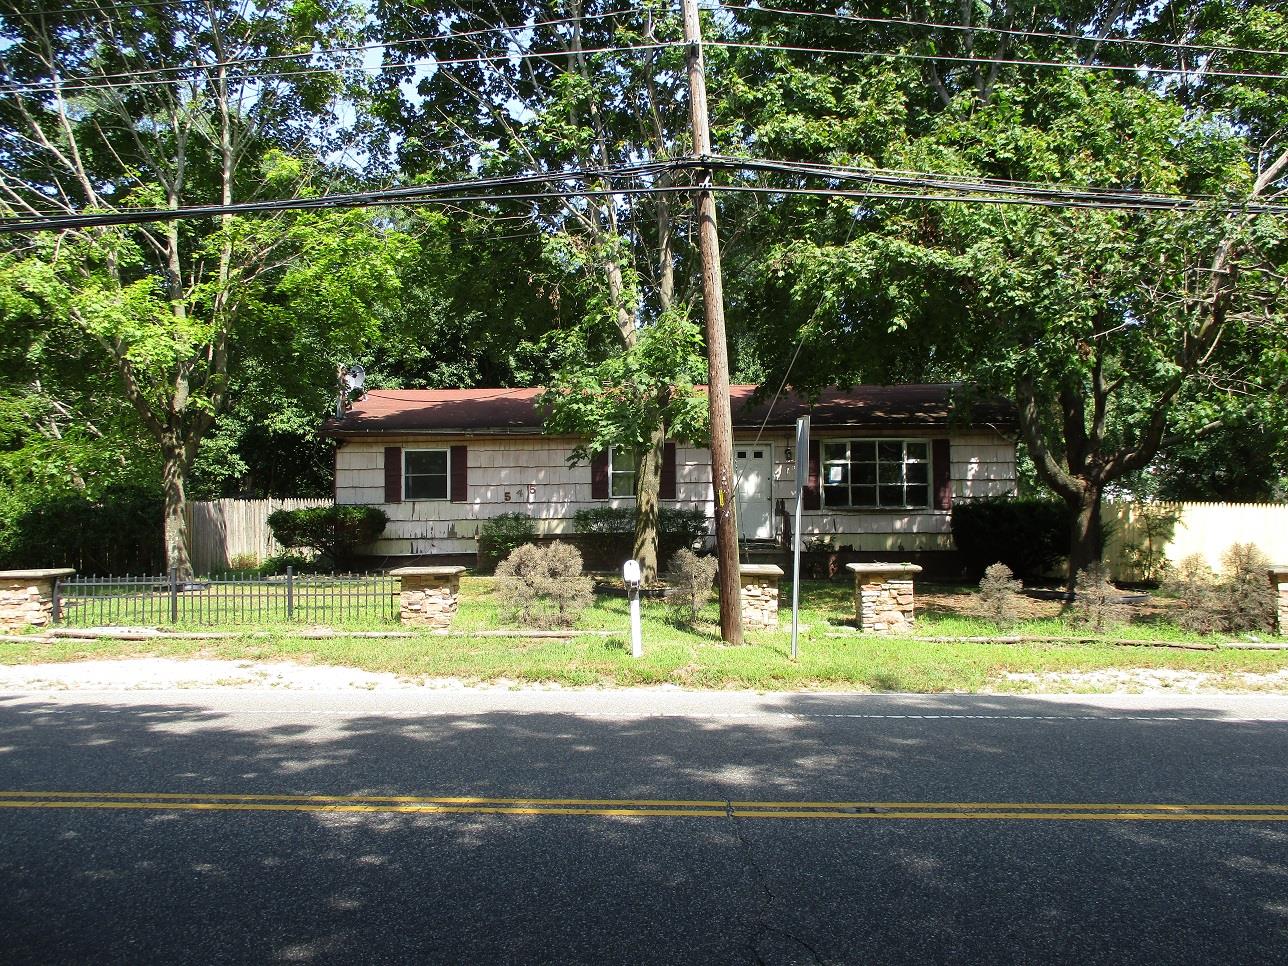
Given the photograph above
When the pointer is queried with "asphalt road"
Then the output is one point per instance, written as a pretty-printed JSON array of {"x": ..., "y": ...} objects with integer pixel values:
[{"x": 658, "y": 827}]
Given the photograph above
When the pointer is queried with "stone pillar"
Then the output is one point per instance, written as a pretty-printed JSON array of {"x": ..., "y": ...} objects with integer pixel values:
[
  {"x": 428, "y": 597},
  {"x": 27, "y": 597},
  {"x": 883, "y": 598},
  {"x": 1279, "y": 578},
  {"x": 760, "y": 595}
]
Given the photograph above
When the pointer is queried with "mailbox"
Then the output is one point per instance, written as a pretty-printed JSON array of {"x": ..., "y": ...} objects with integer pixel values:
[{"x": 631, "y": 574}]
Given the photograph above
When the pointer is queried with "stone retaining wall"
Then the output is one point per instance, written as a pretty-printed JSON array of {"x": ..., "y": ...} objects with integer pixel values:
[
  {"x": 883, "y": 596},
  {"x": 1279, "y": 577},
  {"x": 27, "y": 597},
  {"x": 429, "y": 596}
]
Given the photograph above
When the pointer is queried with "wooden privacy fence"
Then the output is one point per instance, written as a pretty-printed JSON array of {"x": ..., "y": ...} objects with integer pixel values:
[
  {"x": 224, "y": 532},
  {"x": 1143, "y": 535}
]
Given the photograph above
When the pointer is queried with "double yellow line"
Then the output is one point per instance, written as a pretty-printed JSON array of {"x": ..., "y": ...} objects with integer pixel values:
[{"x": 644, "y": 807}]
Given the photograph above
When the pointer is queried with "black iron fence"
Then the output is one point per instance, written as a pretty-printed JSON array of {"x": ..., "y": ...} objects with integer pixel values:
[{"x": 232, "y": 599}]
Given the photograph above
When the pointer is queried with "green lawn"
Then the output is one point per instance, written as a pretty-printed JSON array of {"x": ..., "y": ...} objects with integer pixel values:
[{"x": 830, "y": 655}]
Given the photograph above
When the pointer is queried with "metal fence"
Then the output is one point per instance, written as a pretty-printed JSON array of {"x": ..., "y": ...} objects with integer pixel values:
[{"x": 229, "y": 600}]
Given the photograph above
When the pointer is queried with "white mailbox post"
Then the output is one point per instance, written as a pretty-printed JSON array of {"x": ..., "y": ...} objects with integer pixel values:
[{"x": 631, "y": 578}]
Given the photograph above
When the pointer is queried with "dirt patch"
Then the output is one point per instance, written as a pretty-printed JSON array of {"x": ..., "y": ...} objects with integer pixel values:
[
  {"x": 964, "y": 602},
  {"x": 1147, "y": 681}
]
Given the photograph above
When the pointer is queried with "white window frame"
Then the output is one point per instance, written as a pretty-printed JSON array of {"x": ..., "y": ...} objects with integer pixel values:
[
  {"x": 447, "y": 493},
  {"x": 613, "y": 473},
  {"x": 850, "y": 484}
]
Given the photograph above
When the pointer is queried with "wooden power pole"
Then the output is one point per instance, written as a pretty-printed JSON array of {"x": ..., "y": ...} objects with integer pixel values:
[{"x": 722, "y": 468}]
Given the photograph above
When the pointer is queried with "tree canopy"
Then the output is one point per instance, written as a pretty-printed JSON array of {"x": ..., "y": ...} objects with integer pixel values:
[{"x": 1145, "y": 347}]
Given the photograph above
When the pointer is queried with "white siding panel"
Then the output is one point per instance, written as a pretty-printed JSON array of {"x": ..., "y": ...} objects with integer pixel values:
[
  {"x": 360, "y": 495},
  {"x": 535, "y": 473},
  {"x": 358, "y": 458}
]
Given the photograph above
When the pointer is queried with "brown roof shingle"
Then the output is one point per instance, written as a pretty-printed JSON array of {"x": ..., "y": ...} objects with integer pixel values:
[{"x": 481, "y": 411}]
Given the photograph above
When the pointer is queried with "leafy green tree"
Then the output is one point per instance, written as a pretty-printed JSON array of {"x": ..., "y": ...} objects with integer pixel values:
[
  {"x": 170, "y": 304},
  {"x": 1097, "y": 322},
  {"x": 614, "y": 257}
]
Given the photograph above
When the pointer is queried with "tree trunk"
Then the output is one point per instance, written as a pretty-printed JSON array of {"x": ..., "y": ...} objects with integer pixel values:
[
  {"x": 174, "y": 478},
  {"x": 648, "y": 486},
  {"x": 1084, "y": 534}
]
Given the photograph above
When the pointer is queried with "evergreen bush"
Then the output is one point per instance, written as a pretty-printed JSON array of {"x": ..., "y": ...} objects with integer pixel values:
[
  {"x": 502, "y": 535},
  {"x": 334, "y": 532},
  {"x": 1029, "y": 536},
  {"x": 1249, "y": 601},
  {"x": 1241, "y": 598},
  {"x": 118, "y": 531},
  {"x": 999, "y": 595},
  {"x": 690, "y": 578},
  {"x": 1097, "y": 604},
  {"x": 1193, "y": 584},
  {"x": 543, "y": 586},
  {"x": 608, "y": 533}
]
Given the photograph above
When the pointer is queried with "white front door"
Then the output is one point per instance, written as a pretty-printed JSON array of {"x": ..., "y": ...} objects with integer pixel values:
[{"x": 754, "y": 469}]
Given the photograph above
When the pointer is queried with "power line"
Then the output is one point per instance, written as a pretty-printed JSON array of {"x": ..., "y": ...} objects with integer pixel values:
[
  {"x": 492, "y": 191},
  {"x": 102, "y": 8},
  {"x": 377, "y": 68},
  {"x": 445, "y": 191},
  {"x": 1045, "y": 34},
  {"x": 98, "y": 79},
  {"x": 822, "y": 168},
  {"x": 902, "y": 55},
  {"x": 960, "y": 182}
]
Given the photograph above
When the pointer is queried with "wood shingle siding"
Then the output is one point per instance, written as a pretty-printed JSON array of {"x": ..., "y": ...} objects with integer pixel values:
[{"x": 534, "y": 473}]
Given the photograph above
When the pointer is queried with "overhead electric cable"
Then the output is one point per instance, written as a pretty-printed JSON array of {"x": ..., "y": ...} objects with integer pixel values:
[
  {"x": 460, "y": 192},
  {"x": 199, "y": 69},
  {"x": 1009, "y": 31},
  {"x": 98, "y": 79},
  {"x": 953, "y": 58}
]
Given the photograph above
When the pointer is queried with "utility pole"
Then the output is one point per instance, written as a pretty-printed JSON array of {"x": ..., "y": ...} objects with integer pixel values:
[{"x": 722, "y": 469}]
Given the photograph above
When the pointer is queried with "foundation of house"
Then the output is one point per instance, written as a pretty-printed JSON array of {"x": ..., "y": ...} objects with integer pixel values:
[{"x": 883, "y": 596}]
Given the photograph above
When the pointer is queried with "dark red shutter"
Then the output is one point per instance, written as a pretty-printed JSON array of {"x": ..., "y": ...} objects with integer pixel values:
[
  {"x": 942, "y": 465},
  {"x": 460, "y": 483},
  {"x": 599, "y": 476},
  {"x": 393, "y": 474},
  {"x": 667, "y": 491},
  {"x": 813, "y": 498}
]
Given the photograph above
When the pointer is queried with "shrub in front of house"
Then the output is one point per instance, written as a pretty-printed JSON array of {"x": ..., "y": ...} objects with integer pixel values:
[
  {"x": 1240, "y": 599},
  {"x": 1193, "y": 584},
  {"x": 1250, "y": 601},
  {"x": 333, "y": 532},
  {"x": 543, "y": 586},
  {"x": 1029, "y": 536},
  {"x": 690, "y": 579},
  {"x": 608, "y": 533},
  {"x": 999, "y": 595},
  {"x": 502, "y": 535},
  {"x": 1097, "y": 603}
]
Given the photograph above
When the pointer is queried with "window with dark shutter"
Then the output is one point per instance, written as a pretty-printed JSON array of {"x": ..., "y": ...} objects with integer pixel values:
[
  {"x": 667, "y": 489},
  {"x": 599, "y": 476},
  {"x": 393, "y": 474},
  {"x": 813, "y": 499},
  {"x": 460, "y": 464},
  {"x": 941, "y": 466}
]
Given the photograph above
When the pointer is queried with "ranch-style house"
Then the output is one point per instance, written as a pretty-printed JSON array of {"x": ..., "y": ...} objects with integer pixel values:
[{"x": 886, "y": 464}]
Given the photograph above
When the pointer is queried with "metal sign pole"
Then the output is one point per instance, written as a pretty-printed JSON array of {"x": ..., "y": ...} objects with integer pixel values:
[{"x": 802, "y": 474}]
